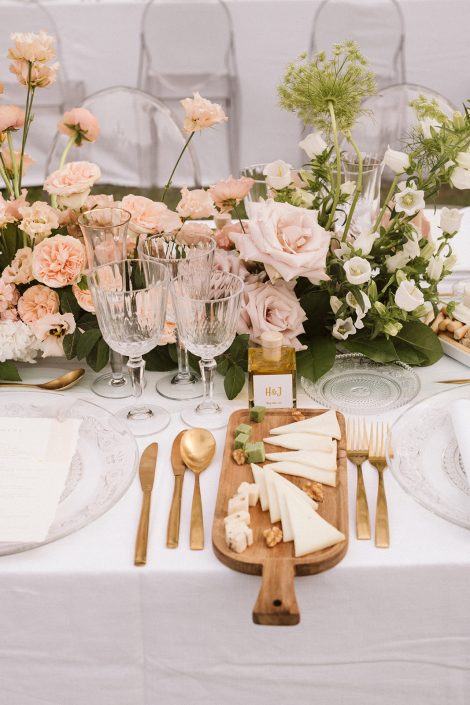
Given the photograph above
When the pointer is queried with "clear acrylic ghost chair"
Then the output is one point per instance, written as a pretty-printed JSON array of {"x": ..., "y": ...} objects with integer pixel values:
[
  {"x": 138, "y": 144},
  {"x": 188, "y": 46},
  {"x": 49, "y": 103},
  {"x": 378, "y": 27}
]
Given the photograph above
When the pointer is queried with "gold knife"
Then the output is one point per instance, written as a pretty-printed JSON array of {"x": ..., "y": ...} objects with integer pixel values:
[
  {"x": 173, "y": 531},
  {"x": 147, "y": 467},
  {"x": 453, "y": 381}
]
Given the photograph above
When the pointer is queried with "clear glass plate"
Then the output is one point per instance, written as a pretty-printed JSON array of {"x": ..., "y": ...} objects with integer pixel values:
[
  {"x": 102, "y": 468},
  {"x": 426, "y": 460},
  {"x": 356, "y": 385}
]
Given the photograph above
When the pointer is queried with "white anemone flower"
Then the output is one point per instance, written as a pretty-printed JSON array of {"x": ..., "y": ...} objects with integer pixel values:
[
  {"x": 358, "y": 270},
  {"x": 343, "y": 328},
  {"x": 408, "y": 296},
  {"x": 278, "y": 174},
  {"x": 408, "y": 200}
]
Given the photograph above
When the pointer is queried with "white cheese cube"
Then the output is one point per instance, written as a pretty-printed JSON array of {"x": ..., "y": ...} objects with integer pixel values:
[
  {"x": 237, "y": 542},
  {"x": 253, "y": 492},
  {"x": 238, "y": 516},
  {"x": 238, "y": 503}
]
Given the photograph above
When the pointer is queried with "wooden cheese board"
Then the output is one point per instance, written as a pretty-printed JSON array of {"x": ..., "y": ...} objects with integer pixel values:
[{"x": 276, "y": 603}]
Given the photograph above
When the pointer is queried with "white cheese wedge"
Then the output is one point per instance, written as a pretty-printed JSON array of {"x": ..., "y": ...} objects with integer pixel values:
[
  {"x": 274, "y": 508},
  {"x": 260, "y": 480},
  {"x": 325, "y": 461},
  {"x": 238, "y": 516},
  {"x": 252, "y": 490},
  {"x": 303, "y": 441},
  {"x": 322, "y": 425},
  {"x": 284, "y": 487},
  {"x": 311, "y": 531},
  {"x": 326, "y": 477}
]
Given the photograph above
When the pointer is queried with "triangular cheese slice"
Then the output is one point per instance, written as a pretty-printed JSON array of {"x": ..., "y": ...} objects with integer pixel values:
[
  {"x": 303, "y": 441},
  {"x": 311, "y": 532},
  {"x": 322, "y": 425},
  {"x": 274, "y": 508},
  {"x": 326, "y": 461},
  {"x": 284, "y": 487},
  {"x": 259, "y": 478},
  {"x": 326, "y": 477}
]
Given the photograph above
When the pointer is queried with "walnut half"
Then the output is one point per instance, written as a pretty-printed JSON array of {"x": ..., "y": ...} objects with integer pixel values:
[
  {"x": 273, "y": 536},
  {"x": 239, "y": 456},
  {"x": 313, "y": 489}
]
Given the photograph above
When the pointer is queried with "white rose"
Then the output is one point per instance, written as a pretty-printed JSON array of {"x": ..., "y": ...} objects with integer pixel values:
[
  {"x": 348, "y": 188},
  {"x": 364, "y": 241},
  {"x": 343, "y": 328},
  {"x": 396, "y": 261},
  {"x": 463, "y": 159},
  {"x": 408, "y": 296},
  {"x": 434, "y": 268},
  {"x": 397, "y": 161},
  {"x": 460, "y": 177},
  {"x": 451, "y": 219},
  {"x": 426, "y": 125},
  {"x": 278, "y": 174},
  {"x": 313, "y": 145},
  {"x": 358, "y": 270},
  {"x": 408, "y": 199},
  {"x": 335, "y": 304}
]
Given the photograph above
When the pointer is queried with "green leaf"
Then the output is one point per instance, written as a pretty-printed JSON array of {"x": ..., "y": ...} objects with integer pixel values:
[
  {"x": 9, "y": 372},
  {"x": 379, "y": 349},
  {"x": 70, "y": 344},
  {"x": 420, "y": 337},
  {"x": 98, "y": 357},
  {"x": 317, "y": 359},
  {"x": 87, "y": 342},
  {"x": 409, "y": 355},
  {"x": 316, "y": 305},
  {"x": 159, "y": 360},
  {"x": 194, "y": 362},
  {"x": 234, "y": 381},
  {"x": 223, "y": 364},
  {"x": 171, "y": 347},
  {"x": 68, "y": 302},
  {"x": 87, "y": 321},
  {"x": 238, "y": 350}
]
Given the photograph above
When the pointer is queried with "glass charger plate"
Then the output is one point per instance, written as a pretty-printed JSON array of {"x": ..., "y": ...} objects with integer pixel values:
[
  {"x": 357, "y": 385},
  {"x": 102, "y": 468},
  {"x": 427, "y": 462}
]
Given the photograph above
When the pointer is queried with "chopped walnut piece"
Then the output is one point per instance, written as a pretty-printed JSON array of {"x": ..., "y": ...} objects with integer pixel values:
[
  {"x": 313, "y": 489},
  {"x": 239, "y": 456},
  {"x": 273, "y": 536},
  {"x": 297, "y": 415}
]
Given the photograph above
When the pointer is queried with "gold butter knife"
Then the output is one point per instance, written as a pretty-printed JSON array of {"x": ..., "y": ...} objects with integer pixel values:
[
  {"x": 453, "y": 381},
  {"x": 147, "y": 467},
  {"x": 173, "y": 531}
]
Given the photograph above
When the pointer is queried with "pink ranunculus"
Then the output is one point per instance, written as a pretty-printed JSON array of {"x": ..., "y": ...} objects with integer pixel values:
[
  {"x": 149, "y": 217},
  {"x": 20, "y": 271},
  {"x": 11, "y": 117},
  {"x": 100, "y": 200},
  {"x": 196, "y": 204},
  {"x": 229, "y": 261},
  {"x": 13, "y": 205},
  {"x": 27, "y": 160},
  {"x": 201, "y": 113},
  {"x": 84, "y": 298},
  {"x": 39, "y": 220},
  {"x": 5, "y": 215},
  {"x": 72, "y": 183},
  {"x": 222, "y": 236},
  {"x": 8, "y": 295},
  {"x": 31, "y": 46},
  {"x": 288, "y": 240},
  {"x": 81, "y": 124},
  {"x": 272, "y": 307},
  {"x": 194, "y": 229},
  {"x": 11, "y": 314},
  {"x": 41, "y": 75},
  {"x": 50, "y": 331},
  {"x": 228, "y": 193},
  {"x": 168, "y": 335},
  {"x": 58, "y": 261},
  {"x": 37, "y": 302}
]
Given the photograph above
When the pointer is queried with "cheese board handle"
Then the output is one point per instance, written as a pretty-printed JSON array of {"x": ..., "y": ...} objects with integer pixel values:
[{"x": 276, "y": 604}]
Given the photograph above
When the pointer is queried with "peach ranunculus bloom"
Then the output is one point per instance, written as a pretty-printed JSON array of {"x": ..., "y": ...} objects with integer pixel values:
[
  {"x": 100, "y": 200},
  {"x": 9, "y": 295},
  {"x": 196, "y": 204},
  {"x": 10, "y": 314},
  {"x": 20, "y": 271},
  {"x": 84, "y": 298},
  {"x": 222, "y": 236},
  {"x": 41, "y": 75},
  {"x": 11, "y": 117},
  {"x": 38, "y": 220},
  {"x": 5, "y": 214},
  {"x": 149, "y": 217},
  {"x": 50, "y": 331},
  {"x": 27, "y": 160},
  {"x": 201, "y": 113},
  {"x": 228, "y": 193},
  {"x": 288, "y": 240},
  {"x": 13, "y": 205},
  {"x": 30, "y": 46},
  {"x": 81, "y": 124},
  {"x": 37, "y": 302},
  {"x": 194, "y": 229},
  {"x": 168, "y": 335},
  {"x": 72, "y": 184},
  {"x": 58, "y": 261}
]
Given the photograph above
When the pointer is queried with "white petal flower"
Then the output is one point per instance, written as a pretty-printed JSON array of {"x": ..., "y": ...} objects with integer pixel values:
[
  {"x": 408, "y": 296},
  {"x": 364, "y": 241},
  {"x": 17, "y": 342},
  {"x": 335, "y": 304},
  {"x": 434, "y": 268},
  {"x": 463, "y": 159},
  {"x": 358, "y": 270},
  {"x": 278, "y": 174},
  {"x": 397, "y": 161},
  {"x": 409, "y": 200},
  {"x": 426, "y": 125},
  {"x": 397, "y": 261},
  {"x": 343, "y": 328},
  {"x": 313, "y": 145},
  {"x": 460, "y": 178},
  {"x": 359, "y": 309},
  {"x": 451, "y": 219},
  {"x": 411, "y": 246}
]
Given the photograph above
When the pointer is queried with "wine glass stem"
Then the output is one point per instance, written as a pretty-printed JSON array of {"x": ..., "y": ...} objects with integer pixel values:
[
  {"x": 136, "y": 367},
  {"x": 183, "y": 363},
  {"x": 208, "y": 368},
  {"x": 115, "y": 360}
]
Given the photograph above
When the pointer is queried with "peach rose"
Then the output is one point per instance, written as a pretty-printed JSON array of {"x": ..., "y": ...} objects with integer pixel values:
[
  {"x": 11, "y": 314},
  {"x": 288, "y": 240},
  {"x": 195, "y": 204},
  {"x": 50, "y": 331},
  {"x": 8, "y": 295},
  {"x": 222, "y": 236},
  {"x": 27, "y": 160},
  {"x": 84, "y": 298},
  {"x": 149, "y": 216},
  {"x": 38, "y": 220},
  {"x": 13, "y": 205},
  {"x": 99, "y": 200},
  {"x": 228, "y": 193},
  {"x": 20, "y": 271},
  {"x": 72, "y": 183},
  {"x": 11, "y": 117},
  {"x": 30, "y": 46},
  {"x": 41, "y": 76},
  {"x": 81, "y": 124},
  {"x": 37, "y": 302},
  {"x": 201, "y": 113},
  {"x": 5, "y": 215},
  {"x": 58, "y": 261}
]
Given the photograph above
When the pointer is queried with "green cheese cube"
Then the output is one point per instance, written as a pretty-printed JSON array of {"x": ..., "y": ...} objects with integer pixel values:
[
  {"x": 243, "y": 428},
  {"x": 255, "y": 452},
  {"x": 241, "y": 440},
  {"x": 257, "y": 413}
]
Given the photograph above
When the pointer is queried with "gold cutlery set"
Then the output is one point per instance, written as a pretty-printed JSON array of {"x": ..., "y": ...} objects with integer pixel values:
[{"x": 363, "y": 445}]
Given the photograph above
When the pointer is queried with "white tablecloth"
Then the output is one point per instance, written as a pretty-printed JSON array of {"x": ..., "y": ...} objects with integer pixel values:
[{"x": 80, "y": 625}]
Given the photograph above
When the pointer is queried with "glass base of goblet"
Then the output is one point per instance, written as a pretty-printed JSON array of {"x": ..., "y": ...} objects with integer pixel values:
[
  {"x": 144, "y": 419},
  {"x": 176, "y": 386},
  {"x": 105, "y": 386},
  {"x": 209, "y": 417}
]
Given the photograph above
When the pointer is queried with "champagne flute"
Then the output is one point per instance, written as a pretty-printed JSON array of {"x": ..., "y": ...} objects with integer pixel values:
[{"x": 130, "y": 298}]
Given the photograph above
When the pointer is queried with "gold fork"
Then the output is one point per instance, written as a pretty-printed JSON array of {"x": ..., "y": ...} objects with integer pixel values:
[
  {"x": 358, "y": 451},
  {"x": 377, "y": 459}
]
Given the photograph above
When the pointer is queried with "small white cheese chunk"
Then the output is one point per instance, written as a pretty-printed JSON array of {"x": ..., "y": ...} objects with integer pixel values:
[
  {"x": 238, "y": 536},
  {"x": 237, "y": 542},
  {"x": 325, "y": 461},
  {"x": 238, "y": 503},
  {"x": 326, "y": 477},
  {"x": 322, "y": 425},
  {"x": 260, "y": 480},
  {"x": 252, "y": 490},
  {"x": 311, "y": 531},
  {"x": 238, "y": 516},
  {"x": 303, "y": 441}
]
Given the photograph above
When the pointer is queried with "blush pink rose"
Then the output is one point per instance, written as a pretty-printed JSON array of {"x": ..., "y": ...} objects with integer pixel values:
[
  {"x": 58, "y": 261},
  {"x": 84, "y": 298},
  {"x": 81, "y": 124},
  {"x": 39, "y": 220},
  {"x": 11, "y": 117},
  {"x": 228, "y": 193},
  {"x": 8, "y": 295},
  {"x": 149, "y": 217},
  {"x": 99, "y": 200},
  {"x": 201, "y": 113},
  {"x": 272, "y": 307},
  {"x": 196, "y": 204},
  {"x": 229, "y": 261},
  {"x": 72, "y": 183},
  {"x": 37, "y": 302},
  {"x": 50, "y": 331},
  {"x": 288, "y": 240},
  {"x": 20, "y": 271}
]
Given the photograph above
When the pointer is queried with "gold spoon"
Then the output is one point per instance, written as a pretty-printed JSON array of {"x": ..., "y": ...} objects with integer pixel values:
[
  {"x": 197, "y": 450},
  {"x": 62, "y": 382}
]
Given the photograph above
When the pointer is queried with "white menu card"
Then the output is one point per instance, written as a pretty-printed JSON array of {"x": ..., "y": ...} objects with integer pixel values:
[{"x": 35, "y": 457}]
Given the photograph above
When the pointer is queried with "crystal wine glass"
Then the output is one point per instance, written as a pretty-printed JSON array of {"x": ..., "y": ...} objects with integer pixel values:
[
  {"x": 192, "y": 252},
  {"x": 105, "y": 235},
  {"x": 207, "y": 313},
  {"x": 130, "y": 299}
]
